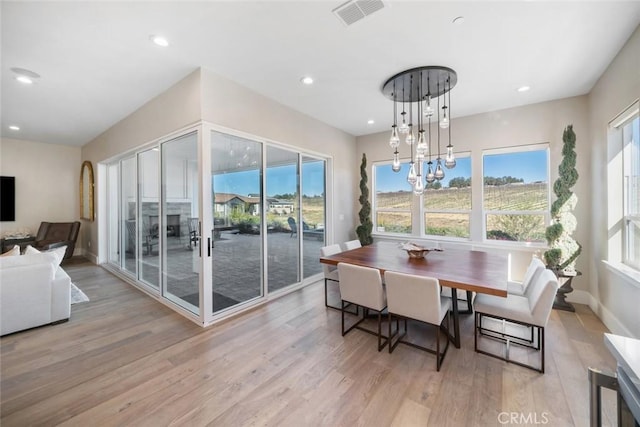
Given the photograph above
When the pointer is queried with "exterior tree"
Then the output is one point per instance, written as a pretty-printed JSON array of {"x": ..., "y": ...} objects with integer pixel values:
[
  {"x": 564, "y": 250},
  {"x": 366, "y": 226}
]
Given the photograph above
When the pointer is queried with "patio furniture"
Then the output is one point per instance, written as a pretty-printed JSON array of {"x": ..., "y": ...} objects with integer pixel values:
[
  {"x": 149, "y": 239},
  {"x": 192, "y": 224},
  {"x": 417, "y": 298},
  {"x": 292, "y": 226}
]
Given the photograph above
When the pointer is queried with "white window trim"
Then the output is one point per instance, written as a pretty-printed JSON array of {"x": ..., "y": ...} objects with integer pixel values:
[
  {"x": 374, "y": 204},
  {"x": 630, "y": 114},
  {"x": 546, "y": 213},
  {"x": 469, "y": 212}
]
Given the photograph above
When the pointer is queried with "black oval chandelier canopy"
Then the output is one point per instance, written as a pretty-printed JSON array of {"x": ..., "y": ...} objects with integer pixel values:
[{"x": 415, "y": 84}]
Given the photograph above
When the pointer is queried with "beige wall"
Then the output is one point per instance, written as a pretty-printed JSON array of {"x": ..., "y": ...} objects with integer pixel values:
[
  {"x": 228, "y": 104},
  {"x": 47, "y": 182},
  {"x": 615, "y": 297},
  {"x": 530, "y": 124},
  {"x": 174, "y": 109}
]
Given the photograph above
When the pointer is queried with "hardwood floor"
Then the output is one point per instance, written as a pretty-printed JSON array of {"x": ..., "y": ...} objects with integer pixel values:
[{"x": 124, "y": 359}]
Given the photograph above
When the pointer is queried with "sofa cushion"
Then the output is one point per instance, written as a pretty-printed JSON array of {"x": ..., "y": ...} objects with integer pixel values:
[
  {"x": 14, "y": 251},
  {"x": 28, "y": 260},
  {"x": 57, "y": 252}
]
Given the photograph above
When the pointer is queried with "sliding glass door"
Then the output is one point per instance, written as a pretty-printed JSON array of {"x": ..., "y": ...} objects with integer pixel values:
[
  {"x": 148, "y": 237},
  {"x": 128, "y": 214},
  {"x": 236, "y": 180},
  {"x": 214, "y": 224},
  {"x": 181, "y": 248},
  {"x": 313, "y": 214}
]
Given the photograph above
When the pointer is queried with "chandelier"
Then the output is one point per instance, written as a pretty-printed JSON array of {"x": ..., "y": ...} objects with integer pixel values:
[{"x": 429, "y": 87}]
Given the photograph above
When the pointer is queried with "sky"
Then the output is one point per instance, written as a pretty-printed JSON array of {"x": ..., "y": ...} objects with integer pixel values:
[
  {"x": 280, "y": 180},
  {"x": 530, "y": 166}
]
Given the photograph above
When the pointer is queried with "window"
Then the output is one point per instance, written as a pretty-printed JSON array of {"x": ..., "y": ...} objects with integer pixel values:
[
  {"x": 516, "y": 193},
  {"x": 447, "y": 203},
  {"x": 631, "y": 190},
  {"x": 392, "y": 199}
]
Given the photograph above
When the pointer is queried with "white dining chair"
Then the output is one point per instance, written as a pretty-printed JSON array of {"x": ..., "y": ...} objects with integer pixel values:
[
  {"x": 417, "y": 298},
  {"x": 351, "y": 244},
  {"x": 362, "y": 286},
  {"x": 330, "y": 271},
  {"x": 531, "y": 310},
  {"x": 519, "y": 288}
]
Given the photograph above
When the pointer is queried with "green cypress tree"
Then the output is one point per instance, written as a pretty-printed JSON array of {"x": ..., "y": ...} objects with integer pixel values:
[
  {"x": 564, "y": 250},
  {"x": 366, "y": 226}
]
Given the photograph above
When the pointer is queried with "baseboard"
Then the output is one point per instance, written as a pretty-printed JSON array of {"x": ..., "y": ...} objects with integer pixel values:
[
  {"x": 88, "y": 255},
  {"x": 606, "y": 316}
]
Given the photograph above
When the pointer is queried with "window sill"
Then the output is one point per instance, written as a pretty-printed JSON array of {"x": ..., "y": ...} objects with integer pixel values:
[{"x": 630, "y": 274}]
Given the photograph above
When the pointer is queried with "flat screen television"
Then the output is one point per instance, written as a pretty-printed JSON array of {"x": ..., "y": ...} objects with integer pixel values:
[{"x": 7, "y": 198}]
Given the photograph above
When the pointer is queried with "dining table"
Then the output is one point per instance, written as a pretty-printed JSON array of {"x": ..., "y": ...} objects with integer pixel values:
[{"x": 469, "y": 270}]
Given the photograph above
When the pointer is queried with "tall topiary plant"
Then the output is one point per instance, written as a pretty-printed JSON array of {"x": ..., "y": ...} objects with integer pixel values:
[
  {"x": 364, "y": 229},
  {"x": 564, "y": 250}
]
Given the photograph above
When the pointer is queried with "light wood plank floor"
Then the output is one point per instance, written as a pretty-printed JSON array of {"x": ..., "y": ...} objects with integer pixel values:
[{"x": 124, "y": 359}]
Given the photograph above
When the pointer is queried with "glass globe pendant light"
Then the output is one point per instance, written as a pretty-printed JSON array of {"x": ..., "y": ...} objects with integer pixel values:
[
  {"x": 430, "y": 175},
  {"x": 439, "y": 174},
  {"x": 395, "y": 166},
  {"x": 412, "y": 176},
  {"x": 444, "y": 122},
  {"x": 394, "y": 141},
  {"x": 428, "y": 109},
  {"x": 450, "y": 160}
]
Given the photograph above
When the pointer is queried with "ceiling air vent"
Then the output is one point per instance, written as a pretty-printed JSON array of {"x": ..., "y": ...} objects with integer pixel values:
[{"x": 354, "y": 10}]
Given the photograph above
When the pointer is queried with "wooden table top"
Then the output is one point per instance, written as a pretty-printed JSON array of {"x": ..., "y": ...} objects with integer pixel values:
[{"x": 474, "y": 271}]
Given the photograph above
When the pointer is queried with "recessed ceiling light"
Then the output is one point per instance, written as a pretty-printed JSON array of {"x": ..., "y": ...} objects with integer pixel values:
[
  {"x": 370, "y": 121},
  {"x": 24, "y": 79},
  {"x": 14, "y": 127},
  {"x": 458, "y": 20},
  {"x": 523, "y": 88},
  {"x": 160, "y": 41},
  {"x": 307, "y": 80},
  {"x": 25, "y": 76}
]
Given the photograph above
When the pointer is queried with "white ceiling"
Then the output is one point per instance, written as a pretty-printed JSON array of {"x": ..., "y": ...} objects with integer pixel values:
[{"x": 98, "y": 65}]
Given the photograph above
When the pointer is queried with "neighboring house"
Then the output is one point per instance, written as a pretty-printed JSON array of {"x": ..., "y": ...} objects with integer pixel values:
[
  {"x": 226, "y": 203},
  {"x": 281, "y": 207}
]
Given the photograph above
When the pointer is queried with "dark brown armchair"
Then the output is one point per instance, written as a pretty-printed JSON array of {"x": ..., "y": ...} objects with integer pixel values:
[{"x": 55, "y": 234}]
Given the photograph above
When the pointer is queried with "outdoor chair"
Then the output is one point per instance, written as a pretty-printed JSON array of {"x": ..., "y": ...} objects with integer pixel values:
[
  {"x": 192, "y": 224},
  {"x": 292, "y": 226},
  {"x": 149, "y": 239}
]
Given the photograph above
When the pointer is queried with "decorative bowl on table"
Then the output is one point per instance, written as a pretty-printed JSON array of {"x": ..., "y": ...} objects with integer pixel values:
[{"x": 417, "y": 251}]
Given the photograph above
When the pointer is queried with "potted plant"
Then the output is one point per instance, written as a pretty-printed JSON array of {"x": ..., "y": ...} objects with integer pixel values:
[
  {"x": 366, "y": 226},
  {"x": 563, "y": 248}
]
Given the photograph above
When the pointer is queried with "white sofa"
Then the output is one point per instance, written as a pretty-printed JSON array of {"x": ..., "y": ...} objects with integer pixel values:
[{"x": 34, "y": 291}]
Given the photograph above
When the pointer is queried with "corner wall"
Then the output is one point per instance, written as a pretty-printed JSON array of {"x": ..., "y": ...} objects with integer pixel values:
[
  {"x": 177, "y": 107},
  {"x": 615, "y": 298},
  {"x": 47, "y": 183}
]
